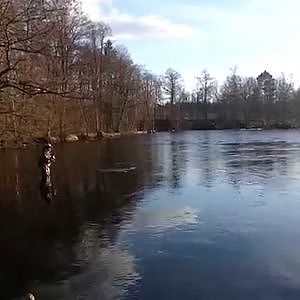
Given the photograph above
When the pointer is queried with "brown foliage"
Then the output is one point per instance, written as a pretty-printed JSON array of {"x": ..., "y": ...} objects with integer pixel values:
[{"x": 60, "y": 74}]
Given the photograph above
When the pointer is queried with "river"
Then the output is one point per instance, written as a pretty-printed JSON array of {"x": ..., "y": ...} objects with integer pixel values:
[{"x": 199, "y": 215}]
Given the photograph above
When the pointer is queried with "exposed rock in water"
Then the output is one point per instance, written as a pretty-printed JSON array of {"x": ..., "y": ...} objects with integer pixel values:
[
  {"x": 72, "y": 138},
  {"x": 92, "y": 136}
]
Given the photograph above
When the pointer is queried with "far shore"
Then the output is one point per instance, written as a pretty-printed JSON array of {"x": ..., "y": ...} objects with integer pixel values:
[{"x": 73, "y": 138}]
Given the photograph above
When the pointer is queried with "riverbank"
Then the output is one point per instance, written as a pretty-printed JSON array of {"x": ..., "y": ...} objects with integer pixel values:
[
  {"x": 71, "y": 138},
  {"x": 90, "y": 137},
  {"x": 217, "y": 124}
]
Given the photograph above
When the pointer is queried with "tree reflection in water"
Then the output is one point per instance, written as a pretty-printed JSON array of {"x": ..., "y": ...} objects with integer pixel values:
[
  {"x": 45, "y": 244},
  {"x": 75, "y": 246}
]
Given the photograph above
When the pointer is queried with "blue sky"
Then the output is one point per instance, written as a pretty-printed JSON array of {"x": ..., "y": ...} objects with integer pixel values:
[{"x": 218, "y": 35}]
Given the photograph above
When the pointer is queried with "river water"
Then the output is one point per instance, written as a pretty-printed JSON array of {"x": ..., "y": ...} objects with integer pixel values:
[{"x": 199, "y": 215}]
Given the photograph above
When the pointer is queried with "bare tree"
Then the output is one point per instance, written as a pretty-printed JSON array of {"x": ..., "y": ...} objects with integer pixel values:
[
  {"x": 172, "y": 87},
  {"x": 206, "y": 87}
]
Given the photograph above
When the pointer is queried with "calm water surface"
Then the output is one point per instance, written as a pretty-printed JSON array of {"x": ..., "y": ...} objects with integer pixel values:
[{"x": 205, "y": 215}]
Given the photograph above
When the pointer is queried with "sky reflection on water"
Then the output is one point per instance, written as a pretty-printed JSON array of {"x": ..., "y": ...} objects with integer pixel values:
[{"x": 206, "y": 215}]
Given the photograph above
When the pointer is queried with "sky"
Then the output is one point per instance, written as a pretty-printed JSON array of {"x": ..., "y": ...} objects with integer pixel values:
[{"x": 217, "y": 35}]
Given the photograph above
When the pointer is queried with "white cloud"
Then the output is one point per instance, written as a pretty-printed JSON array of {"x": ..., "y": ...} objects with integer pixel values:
[
  {"x": 126, "y": 26},
  {"x": 253, "y": 34},
  {"x": 148, "y": 26},
  {"x": 95, "y": 9}
]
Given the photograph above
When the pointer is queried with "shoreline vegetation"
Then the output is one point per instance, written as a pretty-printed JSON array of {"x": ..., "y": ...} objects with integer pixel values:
[
  {"x": 71, "y": 138},
  {"x": 61, "y": 73},
  {"x": 92, "y": 137}
]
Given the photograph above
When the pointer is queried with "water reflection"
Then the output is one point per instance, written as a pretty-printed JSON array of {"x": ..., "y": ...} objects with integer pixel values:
[
  {"x": 101, "y": 270},
  {"x": 166, "y": 218},
  {"x": 257, "y": 161},
  {"x": 199, "y": 214},
  {"x": 51, "y": 238},
  {"x": 47, "y": 189}
]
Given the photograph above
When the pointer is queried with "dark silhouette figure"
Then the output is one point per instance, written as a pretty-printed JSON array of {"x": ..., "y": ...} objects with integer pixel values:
[{"x": 45, "y": 161}]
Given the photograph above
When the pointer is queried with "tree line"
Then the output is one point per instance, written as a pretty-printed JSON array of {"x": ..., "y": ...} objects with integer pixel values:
[
  {"x": 240, "y": 102},
  {"x": 61, "y": 73}
]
